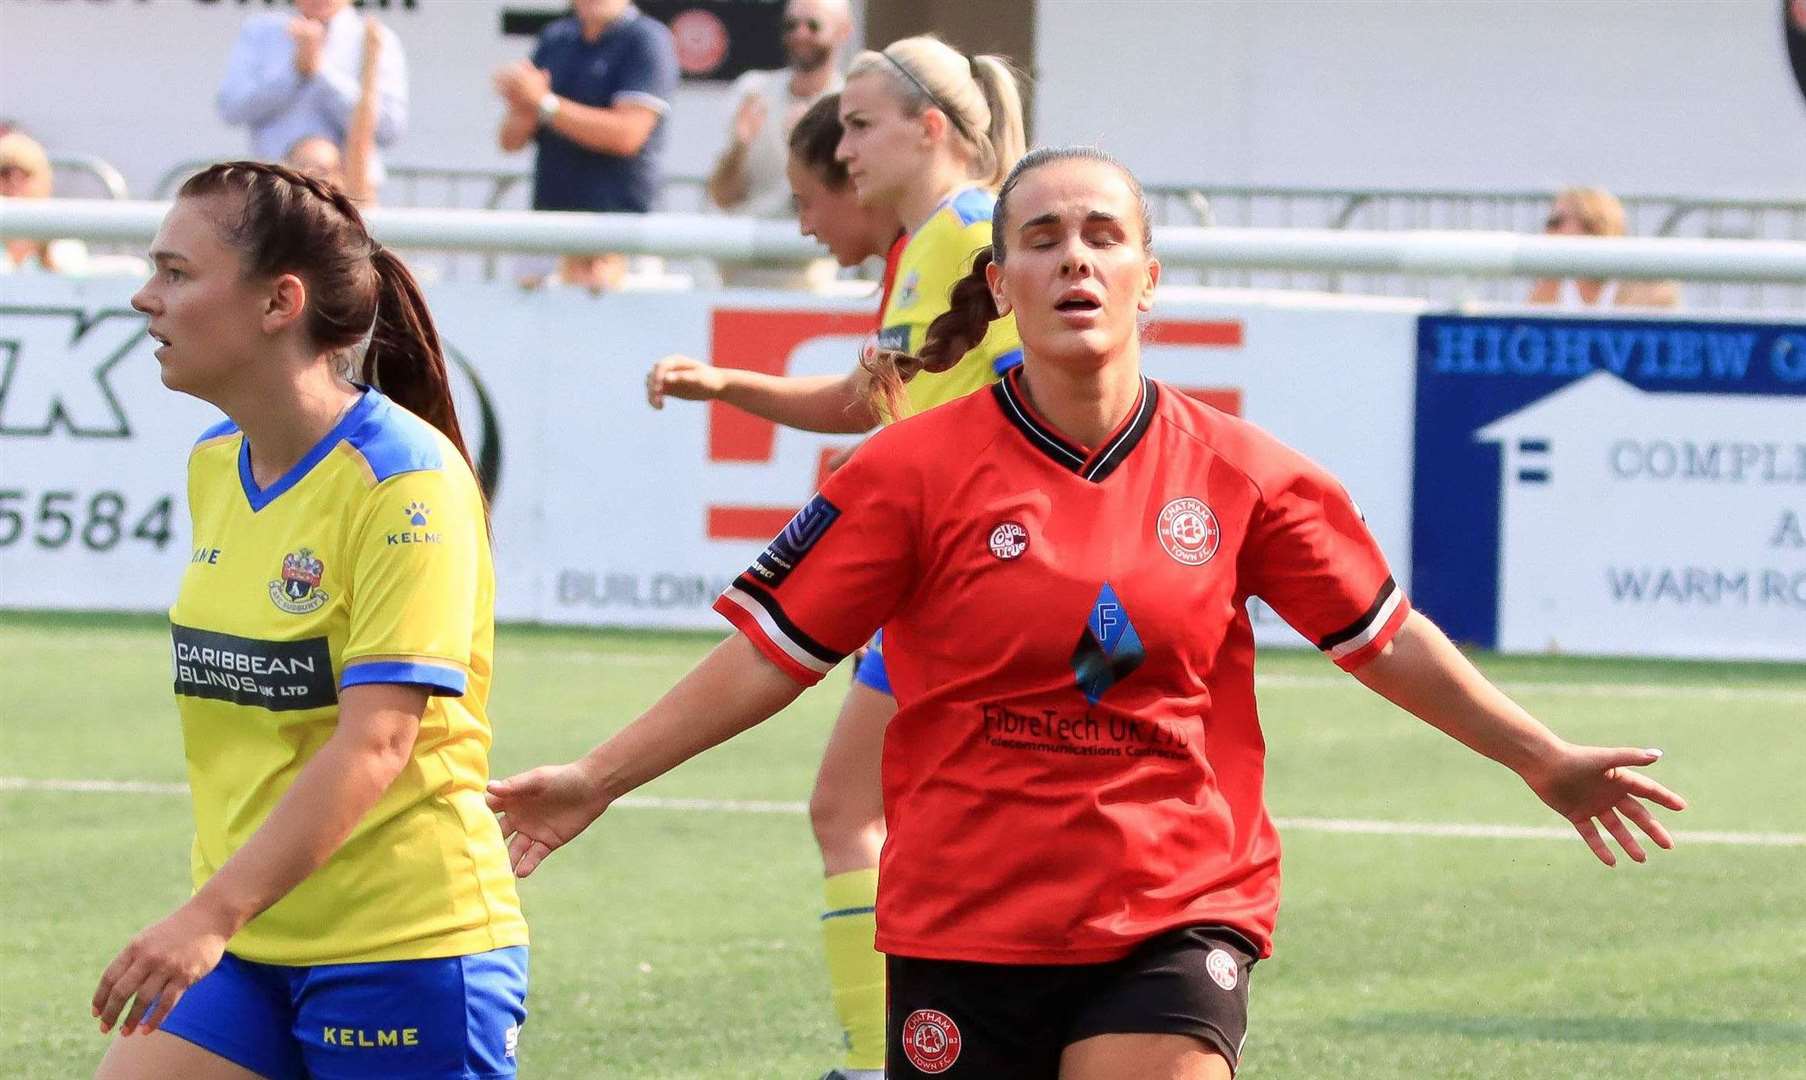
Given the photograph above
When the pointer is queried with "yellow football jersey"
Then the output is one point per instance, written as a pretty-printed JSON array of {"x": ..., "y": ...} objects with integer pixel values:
[
  {"x": 937, "y": 255},
  {"x": 368, "y": 562}
]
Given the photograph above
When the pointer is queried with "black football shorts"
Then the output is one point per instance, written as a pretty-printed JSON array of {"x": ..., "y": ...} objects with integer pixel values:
[{"x": 954, "y": 1020}]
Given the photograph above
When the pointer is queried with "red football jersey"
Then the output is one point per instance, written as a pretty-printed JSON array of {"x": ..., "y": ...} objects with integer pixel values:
[{"x": 1076, "y": 763}]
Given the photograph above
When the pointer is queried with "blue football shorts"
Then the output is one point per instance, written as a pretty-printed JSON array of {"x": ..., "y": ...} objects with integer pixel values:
[
  {"x": 456, "y": 1017},
  {"x": 870, "y": 671}
]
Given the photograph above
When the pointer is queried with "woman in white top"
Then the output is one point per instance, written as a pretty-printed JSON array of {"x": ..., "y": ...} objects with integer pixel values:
[{"x": 1591, "y": 211}]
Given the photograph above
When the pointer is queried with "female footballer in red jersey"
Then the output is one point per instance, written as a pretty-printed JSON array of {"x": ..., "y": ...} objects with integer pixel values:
[
  {"x": 928, "y": 135},
  {"x": 1080, "y": 870}
]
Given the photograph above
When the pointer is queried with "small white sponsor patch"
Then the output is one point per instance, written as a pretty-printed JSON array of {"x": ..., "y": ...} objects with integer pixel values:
[
  {"x": 511, "y": 1039},
  {"x": 1009, "y": 540},
  {"x": 1222, "y": 968}
]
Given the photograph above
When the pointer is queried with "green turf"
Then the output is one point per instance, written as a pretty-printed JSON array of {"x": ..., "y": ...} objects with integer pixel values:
[{"x": 683, "y": 944}]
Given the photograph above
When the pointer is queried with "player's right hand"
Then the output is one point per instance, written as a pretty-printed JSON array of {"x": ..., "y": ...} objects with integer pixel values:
[
  {"x": 541, "y": 810},
  {"x": 682, "y": 377}
]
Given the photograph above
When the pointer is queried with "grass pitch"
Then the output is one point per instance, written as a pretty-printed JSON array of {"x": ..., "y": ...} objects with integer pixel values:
[{"x": 682, "y": 943}]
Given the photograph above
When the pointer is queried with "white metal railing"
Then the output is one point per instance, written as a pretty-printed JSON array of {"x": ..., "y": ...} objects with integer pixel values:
[{"x": 729, "y": 239}]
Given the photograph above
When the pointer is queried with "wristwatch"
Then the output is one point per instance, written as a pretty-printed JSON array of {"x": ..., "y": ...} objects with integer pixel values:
[{"x": 548, "y": 107}]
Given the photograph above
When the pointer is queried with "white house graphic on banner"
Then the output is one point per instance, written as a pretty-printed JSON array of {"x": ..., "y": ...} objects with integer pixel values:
[{"x": 1652, "y": 524}]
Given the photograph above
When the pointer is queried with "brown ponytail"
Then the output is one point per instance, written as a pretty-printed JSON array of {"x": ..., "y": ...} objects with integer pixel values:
[
  {"x": 291, "y": 223},
  {"x": 971, "y": 309},
  {"x": 405, "y": 359}
]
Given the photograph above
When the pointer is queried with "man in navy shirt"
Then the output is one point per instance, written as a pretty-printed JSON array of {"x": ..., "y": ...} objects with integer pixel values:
[{"x": 594, "y": 98}]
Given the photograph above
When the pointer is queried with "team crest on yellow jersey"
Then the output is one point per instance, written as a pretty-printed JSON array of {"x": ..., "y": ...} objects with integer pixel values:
[{"x": 299, "y": 590}]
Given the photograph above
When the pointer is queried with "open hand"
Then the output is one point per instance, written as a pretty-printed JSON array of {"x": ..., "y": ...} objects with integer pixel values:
[
  {"x": 158, "y": 967},
  {"x": 1595, "y": 785},
  {"x": 542, "y": 810},
  {"x": 682, "y": 377},
  {"x": 749, "y": 119}
]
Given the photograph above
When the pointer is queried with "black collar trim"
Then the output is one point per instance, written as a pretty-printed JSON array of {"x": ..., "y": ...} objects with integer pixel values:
[{"x": 1063, "y": 451}]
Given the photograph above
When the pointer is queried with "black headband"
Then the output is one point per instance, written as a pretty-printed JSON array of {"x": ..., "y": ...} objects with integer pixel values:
[{"x": 933, "y": 98}]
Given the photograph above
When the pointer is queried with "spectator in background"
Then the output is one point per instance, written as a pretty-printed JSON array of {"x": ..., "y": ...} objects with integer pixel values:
[
  {"x": 25, "y": 174},
  {"x": 1591, "y": 211},
  {"x": 349, "y": 168},
  {"x": 594, "y": 98},
  {"x": 294, "y": 77},
  {"x": 749, "y": 174}
]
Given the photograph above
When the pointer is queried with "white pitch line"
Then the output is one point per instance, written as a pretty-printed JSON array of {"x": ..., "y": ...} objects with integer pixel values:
[
  {"x": 1786, "y": 695},
  {"x": 760, "y": 806}
]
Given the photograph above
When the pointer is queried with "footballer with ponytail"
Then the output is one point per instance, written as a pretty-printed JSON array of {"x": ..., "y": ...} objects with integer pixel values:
[
  {"x": 332, "y": 640},
  {"x": 289, "y": 222},
  {"x": 1080, "y": 870}
]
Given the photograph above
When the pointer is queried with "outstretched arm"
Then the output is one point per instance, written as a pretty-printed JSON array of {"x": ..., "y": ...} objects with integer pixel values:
[
  {"x": 732, "y": 689},
  {"x": 1422, "y": 672},
  {"x": 832, "y": 404}
]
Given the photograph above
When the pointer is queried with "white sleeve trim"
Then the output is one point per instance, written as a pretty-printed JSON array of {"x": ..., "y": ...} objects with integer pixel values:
[
  {"x": 740, "y": 599},
  {"x": 1365, "y": 637},
  {"x": 640, "y": 97}
]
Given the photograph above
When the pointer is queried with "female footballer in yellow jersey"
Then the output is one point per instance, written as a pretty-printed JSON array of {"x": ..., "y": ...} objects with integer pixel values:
[
  {"x": 927, "y": 134},
  {"x": 353, "y": 913}
]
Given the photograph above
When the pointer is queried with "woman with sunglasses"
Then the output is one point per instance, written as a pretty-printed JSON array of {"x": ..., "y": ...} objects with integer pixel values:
[{"x": 1592, "y": 211}]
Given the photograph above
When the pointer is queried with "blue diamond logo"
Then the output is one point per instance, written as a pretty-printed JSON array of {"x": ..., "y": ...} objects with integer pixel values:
[{"x": 1109, "y": 649}]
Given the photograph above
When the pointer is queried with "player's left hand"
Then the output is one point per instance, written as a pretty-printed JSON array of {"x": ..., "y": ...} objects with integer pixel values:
[
  {"x": 158, "y": 967},
  {"x": 543, "y": 809},
  {"x": 1592, "y": 786}
]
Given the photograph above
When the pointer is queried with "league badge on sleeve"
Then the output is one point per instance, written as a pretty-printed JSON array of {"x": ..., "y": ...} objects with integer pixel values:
[
  {"x": 787, "y": 549},
  {"x": 299, "y": 592}
]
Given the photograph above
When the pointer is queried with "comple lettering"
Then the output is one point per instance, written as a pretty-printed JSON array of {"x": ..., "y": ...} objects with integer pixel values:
[
  {"x": 396, "y": 539},
  {"x": 368, "y": 1038},
  {"x": 1710, "y": 461}
]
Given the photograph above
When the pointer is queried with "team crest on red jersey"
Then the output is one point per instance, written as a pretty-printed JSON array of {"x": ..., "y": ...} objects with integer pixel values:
[
  {"x": 1009, "y": 540},
  {"x": 931, "y": 1040},
  {"x": 1188, "y": 531},
  {"x": 299, "y": 590}
]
